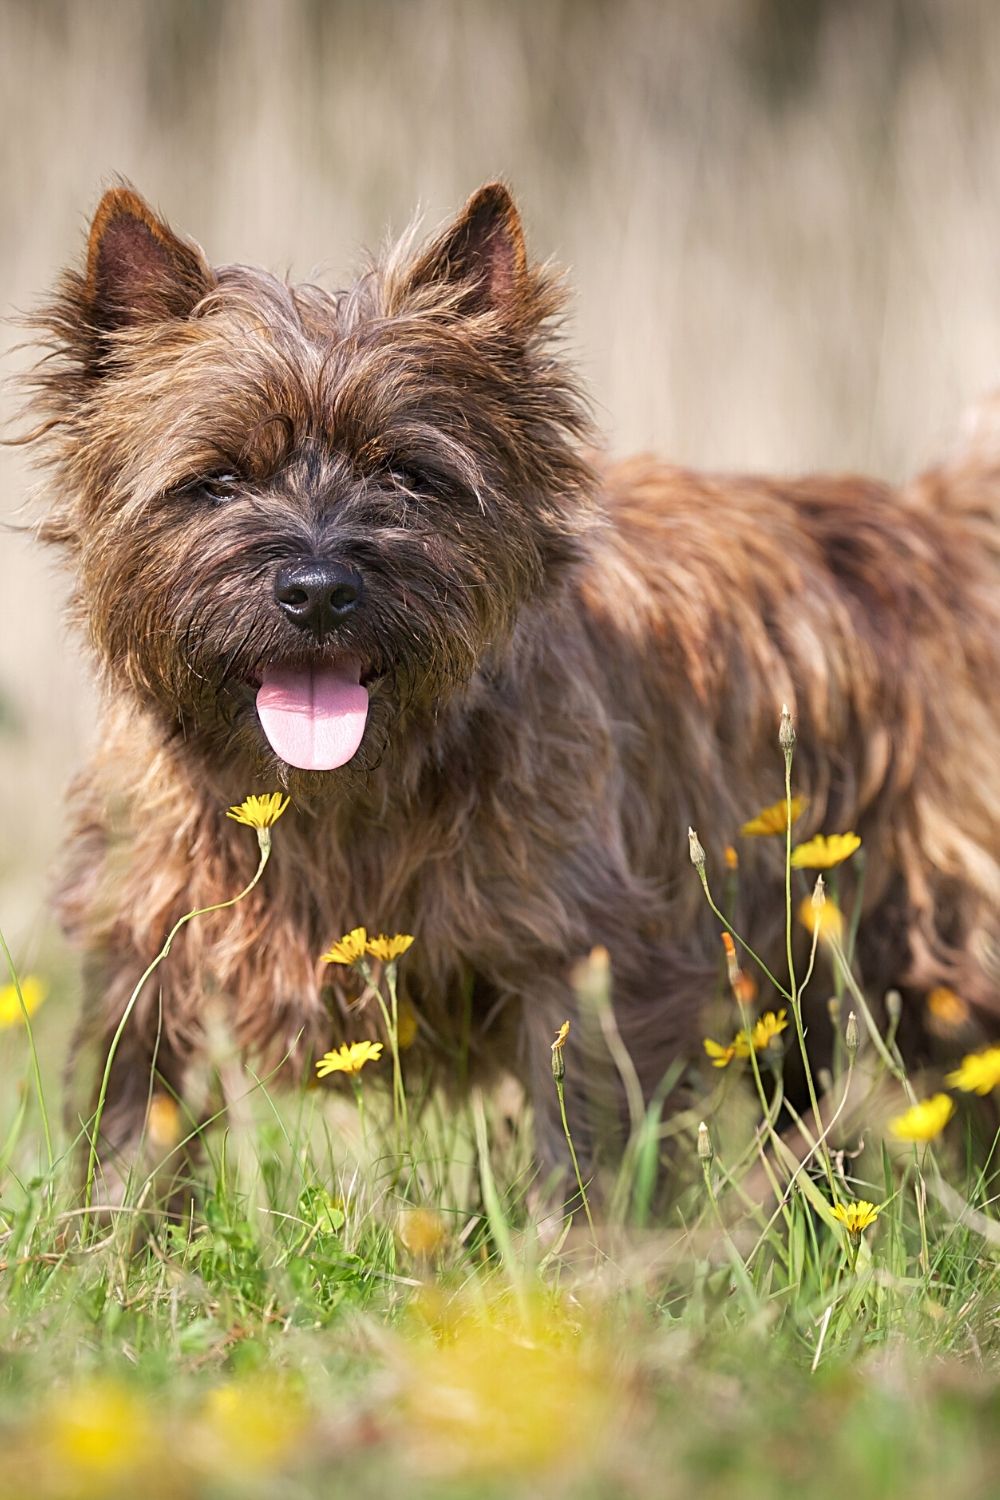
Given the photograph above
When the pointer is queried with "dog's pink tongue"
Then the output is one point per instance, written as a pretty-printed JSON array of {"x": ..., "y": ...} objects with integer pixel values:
[{"x": 313, "y": 719}]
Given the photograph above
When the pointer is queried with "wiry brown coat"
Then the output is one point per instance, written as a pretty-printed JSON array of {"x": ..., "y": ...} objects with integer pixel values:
[{"x": 570, "y": 661}]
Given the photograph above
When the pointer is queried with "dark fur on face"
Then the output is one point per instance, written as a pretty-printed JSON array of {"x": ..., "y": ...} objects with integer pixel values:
[{"x": 568, "y": 663}]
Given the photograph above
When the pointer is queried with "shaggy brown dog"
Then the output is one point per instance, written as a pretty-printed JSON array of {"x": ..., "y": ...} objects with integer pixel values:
[{"x": 350, "y": 544}]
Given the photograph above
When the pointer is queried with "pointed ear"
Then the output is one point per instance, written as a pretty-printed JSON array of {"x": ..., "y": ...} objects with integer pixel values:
[
  {"x": 484, "y": 250},
  {"x": 138, "y": 270}
]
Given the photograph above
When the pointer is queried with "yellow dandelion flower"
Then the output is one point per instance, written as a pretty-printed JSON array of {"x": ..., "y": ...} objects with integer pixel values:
[
  {"x": 349, "y": 1058},
  {"x": 774, "y": 819},
  {"x": 561, "y": 1036},
  {"x": 822, "y": 853},
  {"x": 827, "y": 918},
  {"x": 731, "y": 857},
  {"x": 352, "y": 946},
  {"x": 259, "y": 812},
  {"x": 388, "y": 949},
  {"x": 947, "y": 1011},
  {"x": 33, "y": 992},
  {"x": 923, "y": 1121},
  {"x": 722, "y": 1056},
  {"x": 857, "y": 1217},
  {"x": 767, "y": 1028},
  {"x": 979, "y": 1072},
  {"x": 421, "y": 1231}
]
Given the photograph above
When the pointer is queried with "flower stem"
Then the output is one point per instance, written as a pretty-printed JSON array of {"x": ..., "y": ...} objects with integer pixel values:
[
  {"x": 264, "y": 839},
  {"x": 561, "y": 1093}
]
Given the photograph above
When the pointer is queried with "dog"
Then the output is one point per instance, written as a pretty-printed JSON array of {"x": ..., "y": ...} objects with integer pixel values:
[{"x": 361, "y": 546}]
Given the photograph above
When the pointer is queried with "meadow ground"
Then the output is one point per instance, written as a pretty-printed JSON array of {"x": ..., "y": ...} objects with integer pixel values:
[{"x": 374, "y": 1294}]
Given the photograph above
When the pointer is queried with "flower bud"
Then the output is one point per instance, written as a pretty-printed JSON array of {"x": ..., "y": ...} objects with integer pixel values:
[
  {"x": 786, "y": 731},
  {"x": 852, "y": 1034},
  {"x": 893, "y": 1006},
  {"x": 834, "y": 1008},
  {"x": 705, "y": 1149},
  {"x": 819, "y": 894},
  {"x": 696, "y": 851}
]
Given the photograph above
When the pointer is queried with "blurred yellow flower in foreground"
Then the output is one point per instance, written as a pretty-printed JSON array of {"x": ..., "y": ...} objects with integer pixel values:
[
  {"x": 352, "y": 946},
  {"x": 823, "y": 853},
  {"x": 774, "y": 819},
  {"x": 95, "y": 1437},
  {"x": 923, "y": 1121},
  {"x": 498, "y": 1395},
  {"x": 248, "y": 1427},
  {"x": 979, "y": 1073},
  {"x": 856, "y": 1217},
  {"x": 388, "y": 949},
  {"x": 33, "y": 992},
  {"x": 350, "y": 1057},
  {"x": 259, "y": 812}
]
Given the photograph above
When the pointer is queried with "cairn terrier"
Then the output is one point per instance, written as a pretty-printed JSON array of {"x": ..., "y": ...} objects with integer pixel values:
[{"x": 359, "y": 545}]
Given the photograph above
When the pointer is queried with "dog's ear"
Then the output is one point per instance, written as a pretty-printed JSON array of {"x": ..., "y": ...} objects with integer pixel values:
[
  {"x": 482, "y": 251},
  {"x": 138, "y": 270}
]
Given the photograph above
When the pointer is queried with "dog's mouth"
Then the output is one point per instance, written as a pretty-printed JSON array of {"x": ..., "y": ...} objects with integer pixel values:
[{"x": 314, "y": 715}]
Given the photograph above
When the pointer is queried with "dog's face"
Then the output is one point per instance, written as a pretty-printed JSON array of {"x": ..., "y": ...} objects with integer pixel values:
[{"x": 303, "y": 522}]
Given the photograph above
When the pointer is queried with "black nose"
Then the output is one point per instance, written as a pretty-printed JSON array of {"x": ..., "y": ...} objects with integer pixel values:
[{"x": 317, "y": 595}]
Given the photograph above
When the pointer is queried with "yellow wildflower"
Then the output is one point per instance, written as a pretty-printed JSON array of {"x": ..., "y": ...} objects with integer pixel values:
[
  {"x": 827, "y": 918},
  {"x": 723, "y": 1056},
  {"x": 979, "y": 1072},
  {"x": 33, "y": 992},
  {"x": 731, "y": 857},
  {"x": 923, "y": 1121},
  {"x": 946, "y": 1011},
  {"x": 856, "y": 1217},
  {"x": 504, "y": 1395},
  {"x": 561, "y": 1036},
  {"x": 102, "y": 1435},
  {"x": 767, "y": 1028},
  {"x": 774, "y": 819},
  {"x": 421, "y": 1231},
  {"x": 388, "y": 949},
  {"x": 352, "y": 946},
  {"x": 259, "y": 812},
  {"x": 349, "y": 1058},
  {"x": 822, "y": 853},
  {"x": 247, "y": 1427}
]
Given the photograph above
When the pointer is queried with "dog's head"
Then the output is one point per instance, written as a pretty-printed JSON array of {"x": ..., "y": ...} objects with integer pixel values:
[{"x": 302, "y": 522}]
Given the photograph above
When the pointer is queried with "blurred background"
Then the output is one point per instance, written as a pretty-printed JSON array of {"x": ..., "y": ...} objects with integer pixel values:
[{"x": 781, "y": 218}]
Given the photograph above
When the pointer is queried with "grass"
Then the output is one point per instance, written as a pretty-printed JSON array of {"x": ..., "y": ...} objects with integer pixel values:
[{"x": 367, "y": 1298}]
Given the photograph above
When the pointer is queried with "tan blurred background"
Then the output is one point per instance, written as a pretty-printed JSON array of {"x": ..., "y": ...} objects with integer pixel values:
[{"x": 782, "y": 219}]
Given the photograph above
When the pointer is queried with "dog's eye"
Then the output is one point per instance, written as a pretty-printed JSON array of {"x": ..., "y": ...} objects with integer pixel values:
[
  {"x": 412, "y": 479},
  {"x": 218, "y": 488}
]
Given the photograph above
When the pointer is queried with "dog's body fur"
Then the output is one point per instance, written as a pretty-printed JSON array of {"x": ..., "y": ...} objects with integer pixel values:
[{"x": 571, "y": 662}]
